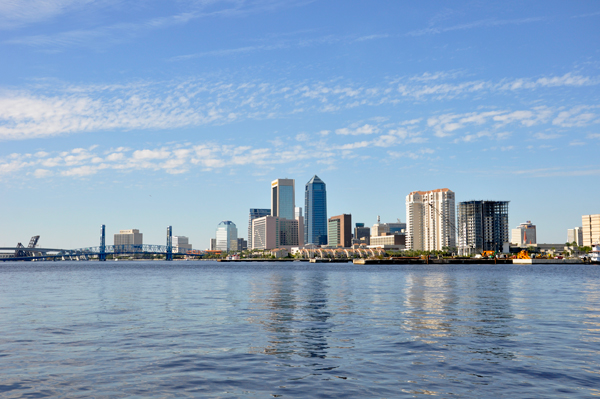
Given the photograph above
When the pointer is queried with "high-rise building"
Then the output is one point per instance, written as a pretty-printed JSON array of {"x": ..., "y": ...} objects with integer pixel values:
[
  {"x": 129, "y": 237},
  {"x": 227, "y": 236},
  {"x": 339, "y": 233},
  {"x": 315, "y": 211},
  {"x": 213, "y": 244},
  {"x": 430, "y": 220},
  {"x": 181, "y": 244},
  {"x": 362, "y": 234},
  {"x": 255, "y": 213},
  {"x": 524, "y": 235},
  {"x": 379, "y": 228},
  {"x": 482, "y": 226},
  {"x": 590, "y": 229},
  {"x": 575, "y": 236},
  {"x": 271, "y": 232},
  {"x": 283, "y": 198}
]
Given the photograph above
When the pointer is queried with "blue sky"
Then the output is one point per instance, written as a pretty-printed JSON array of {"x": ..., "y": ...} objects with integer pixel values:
[{"x": 144, "y": 114}]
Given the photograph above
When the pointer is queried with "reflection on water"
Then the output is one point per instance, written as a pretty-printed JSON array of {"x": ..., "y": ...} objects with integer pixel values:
[{"x": 297, "y": 330}]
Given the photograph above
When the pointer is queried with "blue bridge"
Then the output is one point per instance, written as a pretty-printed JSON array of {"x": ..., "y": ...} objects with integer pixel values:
[{"x": 32, "y": 252}]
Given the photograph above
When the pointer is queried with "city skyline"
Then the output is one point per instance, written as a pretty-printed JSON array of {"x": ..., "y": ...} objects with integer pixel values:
[{"x": 178, "y": 114}]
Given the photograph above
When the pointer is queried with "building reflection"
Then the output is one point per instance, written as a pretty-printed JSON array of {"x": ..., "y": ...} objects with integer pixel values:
[
  {"x": 294, "y": 314},
  {"x": 442, "y": 308}
]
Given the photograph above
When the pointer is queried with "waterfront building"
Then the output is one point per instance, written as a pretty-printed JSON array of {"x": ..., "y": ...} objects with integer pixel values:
[
  {"x": 430, "y": 220},
  {"x": 213, "y": 244},
  {"x": 315, "y": 209},
  {"x": 362, "y": 234},
  {"x": 396, "y": 228},
  {"x": 227, "y": 236},
  {"x": 379, "y": 228},
  {"x": 242, "y": 244},
  {"x": 482, "y": 226},
  {"x": 388, "y": 241},
  {"x": 255, "y": 213},
  {"x": 524, "y": 234},
  {"x": 270, "y": 232},
  {"x": 129, "y": 237},
  {"x": 283, "y": 198},
  {"x": 339, "y": 233},
  {"x": 575, "y": 236},
  {"x": 181, "y": 244},
  {"x": 590, "y": 229}
]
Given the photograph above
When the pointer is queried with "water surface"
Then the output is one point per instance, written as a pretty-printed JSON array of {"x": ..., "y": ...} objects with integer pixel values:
[{"x": 256, "y": 330}]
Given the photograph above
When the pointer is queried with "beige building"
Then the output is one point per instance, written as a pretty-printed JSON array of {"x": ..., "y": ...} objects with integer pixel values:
[
  {"x": 524, "y": 235},
  {"x": 270, "y": 232},
  {"x": 590, "y": 227},
  {"x": 430, "y": 220},
  {"x": 575, "y": 236},
  {"x": 129, "y": 237},
  {"x": 388, "y": 241}
]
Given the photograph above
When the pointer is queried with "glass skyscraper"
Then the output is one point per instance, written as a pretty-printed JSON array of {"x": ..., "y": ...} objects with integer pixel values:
[
  {"x": 283, "y": 203},
  {"x": 226, "y": 236},
  {"x": 315, "y": 212}
]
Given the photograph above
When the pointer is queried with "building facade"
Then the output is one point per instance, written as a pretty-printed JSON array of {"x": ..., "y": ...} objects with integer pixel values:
[
  {"x": 482, "y": 226},
  {"x": 362, "y": 234},
  {"x": 255, "y": 213},
  {"x": 590, "y": 228},
  {"x": 181, "y": 245},
  {"x": 270, "y": 232},
  {"x": 339, "y": 232},
  {"x": 430, "y": 222},
  {"x": 227, "y": 236},
  {"x": 129, "y": 237},
  {"x": 315, "y": 211},
  {"x": 575, "y": 236},
  {"x": 389, "y": 241},
  {"x": 524, "y": 234},
  {"x": 283, "y": 198}
]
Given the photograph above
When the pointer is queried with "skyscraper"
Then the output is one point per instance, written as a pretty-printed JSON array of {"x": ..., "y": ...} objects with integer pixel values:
[
  {"x": 315, "y": 212},
  {"x": 283, "y": 198},
  {"x": 482, "y": 226},
  {"x": 254, "y": 214},
  {"x": 430, "y": 220},
  {"x": 227, "y": 236}
]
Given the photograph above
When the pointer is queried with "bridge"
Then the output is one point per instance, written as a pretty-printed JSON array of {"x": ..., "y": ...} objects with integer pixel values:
[{"x": 32, "y": 252}]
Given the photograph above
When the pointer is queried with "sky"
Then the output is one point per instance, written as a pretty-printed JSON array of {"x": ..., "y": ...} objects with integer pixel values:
[{"x": 145, "y": 114}]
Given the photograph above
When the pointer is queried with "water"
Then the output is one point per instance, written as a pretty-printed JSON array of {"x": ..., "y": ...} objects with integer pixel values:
[{"x": 203, "y": 329}]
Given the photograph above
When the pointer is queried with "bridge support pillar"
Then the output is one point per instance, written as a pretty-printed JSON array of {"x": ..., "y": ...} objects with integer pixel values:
[
  {"x": 102, "y": 254},
  {"x": 169, "y": 243}
]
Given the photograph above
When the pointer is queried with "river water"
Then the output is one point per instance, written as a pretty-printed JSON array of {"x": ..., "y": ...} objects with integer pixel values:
[{"x": 258, "y": 330}]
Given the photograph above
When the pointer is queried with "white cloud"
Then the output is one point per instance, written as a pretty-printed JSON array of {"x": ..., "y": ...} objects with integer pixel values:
[
  {"x": 546, "y": 136},
  {"x": 365, "y": 129},
  {"x": 41, "y": 173}
]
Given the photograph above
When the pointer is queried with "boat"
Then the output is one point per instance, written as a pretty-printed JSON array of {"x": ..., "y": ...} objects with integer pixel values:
[{"x": 595, "y": 253}]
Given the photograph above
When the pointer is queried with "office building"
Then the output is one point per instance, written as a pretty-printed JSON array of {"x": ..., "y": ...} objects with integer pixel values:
[
  {"x": 590, "y": 228},
  {"x": 362, "y": 234},
  {"x": 242, "y": 244},
  {"x": 129, "y": 237},
  {"x": 255, "y": 213},
  {"x": 339, "y": 233},
  {"x": 270, "y": 232},
  {"x": 226, "y": 236},
  {"x": 283, "y": 198},
  {"x": 213, "y": 244},
  {"x": 181, "y": 244},
  {"x": 482, "y": 226},
  {"x": 297, "y": 212},
  {"x": 379, "y": 228},
  {"x": 388, "y": 241},
  {"x": 315, "y": 211},
  {"x": 430, "y": 220},
  {"x": 523, "y": 235},
  {"x": 575, "y": 236}
]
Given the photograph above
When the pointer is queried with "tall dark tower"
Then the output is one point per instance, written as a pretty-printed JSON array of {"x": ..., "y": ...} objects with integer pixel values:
[{"x": 315, "y": 212}]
